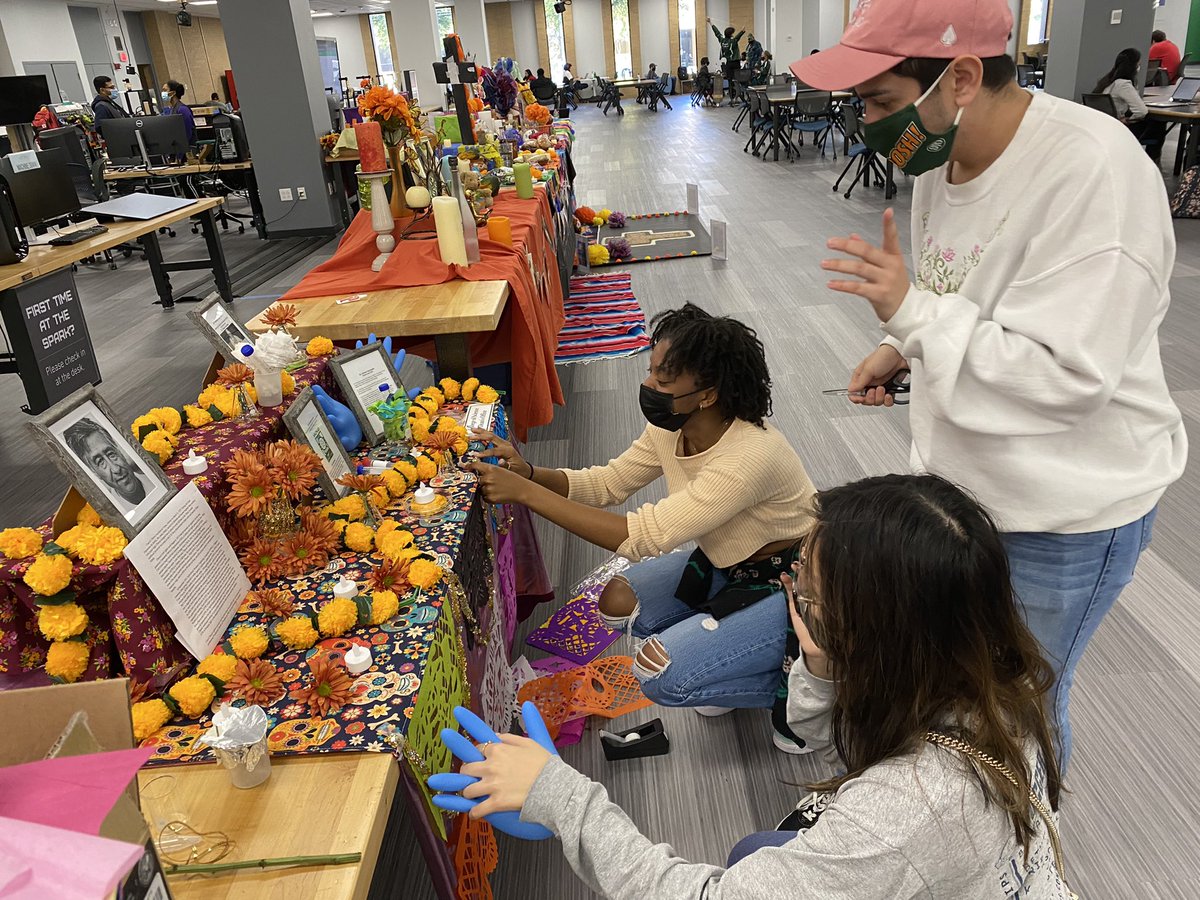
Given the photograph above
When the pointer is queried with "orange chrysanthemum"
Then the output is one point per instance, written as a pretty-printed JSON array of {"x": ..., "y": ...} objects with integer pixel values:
[
  {"x": 273, "y": 602},
  {"x": 329, "y": 688},
  {"x": 391, "y": 575},
  {"x": 361, "y": 483},
  {"x": 441, "y": 440},
  {"x": 262, "y": 561},
  {"x": 242, "y": 532},
  {"x": 281, "y": 314},
  {"x": 301, "y": 553},
  {"x": 324, "y": 533},
  {"x": 235, "y": 373},
  {"x": 294, "y": 468},
  {"x": 241, "y": 462},
  {"x": 251, "y": 492},
  {"x": 256, "y": 681}
]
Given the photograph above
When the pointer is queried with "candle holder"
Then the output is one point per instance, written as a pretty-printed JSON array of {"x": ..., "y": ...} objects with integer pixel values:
[{"x": 381, "y": 218}]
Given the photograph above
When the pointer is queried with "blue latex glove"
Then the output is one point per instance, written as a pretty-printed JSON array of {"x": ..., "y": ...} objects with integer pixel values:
[
  {"x": 398, "y": 358},
  {"x": 451, "y": 783},
  {"x": 344, "y": 423}
]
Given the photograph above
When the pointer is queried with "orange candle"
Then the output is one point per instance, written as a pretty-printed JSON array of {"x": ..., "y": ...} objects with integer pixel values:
[
  {"x": 500, "y": 230},
  {"x": 371, "y": 154}
]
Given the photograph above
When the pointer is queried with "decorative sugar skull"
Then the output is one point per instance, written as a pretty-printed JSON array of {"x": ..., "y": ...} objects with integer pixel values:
[{"x": 301, "y": 735}]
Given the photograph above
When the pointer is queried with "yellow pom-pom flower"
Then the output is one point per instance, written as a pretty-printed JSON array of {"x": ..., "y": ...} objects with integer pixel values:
[
  {"x": 384, "y": 606},
  {"x": 391, "y": 545},
  {"x": 408, "y": 470},
  {"x": 49, "y": 574},
  {"x": 320, "y": 346},
  {"x": 168, "y": 419},
  {"x": 420, "y": 429},
  {"x": 597, "y": 221},
  {"x": 451, "y": 389},
  {"x": 436, "y": 393},
  {"x": 424, "y": 573},
  {"x": 426, "y": 467},
  {"x": 380, "y": 496},
  {"x": 249, "y": 642},
  {"x": 20, "y": 543},
  {"x": 288, "y": 383},
  {"x": 337, "y": 617},
  {"x": 487, "y": 394},
  {"x": 193, "y": 694},
  {"x": 67, "y": 660},
  {"x": 197, "y": 417},
  {"x": 143, "y": 425},
  {"x": 297, "y": 633},
  {"x": 148, "y": 717},
  {"x": 604, "y": 214},
  {"x": 220, "y": 666},
  {"x": 386, "y": 527},
  {"x": 158, "y": 442},
  {"x": 69, "y": 538},
  {"x": 100, "y": 546},
  {"x": 350, "y": 506},
  {"x": 88, "y": 516},
  {"x": 427, "y": 403},
  {"x": 63, "y": 621},
  {"x": 469, "y": 387},
  {"x": 396, "y": 483},
  {"x": 359, "y": 537},
  {"x": 597, "y": 254}
]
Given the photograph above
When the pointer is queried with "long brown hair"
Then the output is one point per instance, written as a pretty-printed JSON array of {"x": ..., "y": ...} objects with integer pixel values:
[{"x": 916, "y": 613}]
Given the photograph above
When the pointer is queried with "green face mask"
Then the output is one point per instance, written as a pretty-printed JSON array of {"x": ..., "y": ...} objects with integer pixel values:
[{"x": 903, "y": 138}]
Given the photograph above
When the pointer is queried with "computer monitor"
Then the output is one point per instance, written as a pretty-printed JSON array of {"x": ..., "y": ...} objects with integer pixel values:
[
  {"x": 71, "y": 141},
  {"x": 164, "y": 136},
  {"x": 45, "y": 193},
  {"x": 21, "y": 96}
]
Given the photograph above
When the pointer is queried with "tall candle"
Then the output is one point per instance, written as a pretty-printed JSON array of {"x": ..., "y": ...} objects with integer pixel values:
[
  {"x": 500, "y": 230},
  {"x": 448, "y": 221},
  {"x": 524, "y": 180},
  {"x": 371, "y": 154}
]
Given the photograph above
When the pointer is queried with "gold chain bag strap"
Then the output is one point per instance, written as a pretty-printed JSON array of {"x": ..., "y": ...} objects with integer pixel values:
[{"x": 944, "y": 740}]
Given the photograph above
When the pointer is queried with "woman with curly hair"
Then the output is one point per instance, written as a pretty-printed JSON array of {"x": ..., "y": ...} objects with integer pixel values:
[{"x": 712, "y": 623}]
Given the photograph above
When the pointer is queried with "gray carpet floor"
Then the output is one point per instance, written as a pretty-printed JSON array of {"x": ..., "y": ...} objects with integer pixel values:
[{"x": 1130, "y": 819}]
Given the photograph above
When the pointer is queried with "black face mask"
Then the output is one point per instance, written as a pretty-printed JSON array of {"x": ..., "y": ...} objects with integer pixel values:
[{"x": 659, "y": 408}]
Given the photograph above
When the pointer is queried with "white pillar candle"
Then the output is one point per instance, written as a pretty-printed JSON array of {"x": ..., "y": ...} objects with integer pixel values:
[{"x": 449, "y": 223}]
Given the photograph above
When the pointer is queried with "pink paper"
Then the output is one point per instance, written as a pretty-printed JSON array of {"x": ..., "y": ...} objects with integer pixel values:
[
  {"x": 37, "y": 862},
  {"x": 71, "y": 792},
  {"x": 570, "y": 732}
]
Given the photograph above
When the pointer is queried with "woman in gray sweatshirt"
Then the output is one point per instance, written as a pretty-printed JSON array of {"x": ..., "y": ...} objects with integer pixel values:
[{"x": 909, "y": 636}]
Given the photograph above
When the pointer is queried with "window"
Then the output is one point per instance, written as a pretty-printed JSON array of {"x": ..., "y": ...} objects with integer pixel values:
[
  {"x": 382, "y": 39},
  {"x": 331, "y": 69},
  {"x": 687, "y": 35},
  {"x": 557, "y": 41},
  {"x": 1038, "y": 22},
  {"x": 622, "y": 47},
  {"x": 445, "y": 20}
]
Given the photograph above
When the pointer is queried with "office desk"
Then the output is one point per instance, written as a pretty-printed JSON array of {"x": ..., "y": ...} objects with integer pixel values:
[
  {"x": 447, "y": 312},
  {"x": 310, "y": 806},
  {"x": 42, "y": 259},
  {"x": 1185, "y": 116},
  {"x": 193, "y": 169}
]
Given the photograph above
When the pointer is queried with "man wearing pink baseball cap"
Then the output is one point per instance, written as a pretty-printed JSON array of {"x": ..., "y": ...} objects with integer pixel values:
[{"x": 1042, "y": 249}]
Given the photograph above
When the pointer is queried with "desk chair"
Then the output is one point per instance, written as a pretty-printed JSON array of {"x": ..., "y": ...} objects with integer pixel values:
[
  {"x": 739, "y": 92},
  {"x": 547, "y": 96},
  {"x": 812, "y": 114},
  {"x": 657, "y": 93},
  {"x": 610, "y": 97},
  {"x": 761, "y": 123},
  {"x": 869, "y": 163},
  {"x": 211, "y": 184},
  {"x": 1102, "y": 102}
]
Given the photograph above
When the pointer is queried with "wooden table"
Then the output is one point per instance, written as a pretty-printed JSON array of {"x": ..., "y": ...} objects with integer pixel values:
[
  {"x": 449, "y": 312},
  {"x": 1185, "y": 116},
  {"x": 44, "y": 259},
  {"x": 258, "y": 217},
  {"x": 615, "y": 101},
  {"x": 311, "y": 805}
]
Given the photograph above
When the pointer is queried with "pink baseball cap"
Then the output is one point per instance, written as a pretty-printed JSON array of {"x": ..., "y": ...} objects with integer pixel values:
[{"x": 884, "y": 33}]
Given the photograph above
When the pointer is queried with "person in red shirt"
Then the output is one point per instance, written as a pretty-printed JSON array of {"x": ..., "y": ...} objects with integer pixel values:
[{"x": 1166, "y": 52}]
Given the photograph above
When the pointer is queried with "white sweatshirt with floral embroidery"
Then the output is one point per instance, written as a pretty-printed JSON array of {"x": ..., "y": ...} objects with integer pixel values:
[{"x": 1032, "y": 327}]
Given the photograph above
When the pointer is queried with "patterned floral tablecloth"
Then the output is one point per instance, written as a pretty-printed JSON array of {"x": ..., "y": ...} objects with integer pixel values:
[{"x": 129, "y": 633}]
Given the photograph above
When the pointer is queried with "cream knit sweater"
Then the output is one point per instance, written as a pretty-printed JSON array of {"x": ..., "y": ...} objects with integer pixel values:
[{"x": 746, "y": 491}]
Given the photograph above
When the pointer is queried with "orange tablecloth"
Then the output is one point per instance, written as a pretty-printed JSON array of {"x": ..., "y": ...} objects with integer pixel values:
[{"x": 528, "y": 333}]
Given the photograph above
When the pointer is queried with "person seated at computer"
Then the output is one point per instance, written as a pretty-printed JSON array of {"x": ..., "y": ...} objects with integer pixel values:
[
  {"x": 1166, "y": 52},
  {"x": 227, "y": 108},
  {"x": 1120, "y": 84},
  {"x": 103, "y": 104},
  {"x": 543, "y": 88},
  {"x": 173, "y": 105}
]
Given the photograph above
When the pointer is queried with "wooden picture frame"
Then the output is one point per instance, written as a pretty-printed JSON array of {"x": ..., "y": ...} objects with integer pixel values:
[
  {"x": 309, "y": 425},
  {"x": 359, "y": 374},
  {"x": 225, "y": 333},
  {"x": 123, "y": 482}
]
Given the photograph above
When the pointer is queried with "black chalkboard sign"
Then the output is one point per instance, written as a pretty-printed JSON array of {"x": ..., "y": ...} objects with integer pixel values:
[{"x": 49, "y": 338}]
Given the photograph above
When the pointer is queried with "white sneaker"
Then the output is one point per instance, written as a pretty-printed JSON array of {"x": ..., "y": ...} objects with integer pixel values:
[
  {"x": 787, "y": 745},
  {"x": 712, "y": 712}
]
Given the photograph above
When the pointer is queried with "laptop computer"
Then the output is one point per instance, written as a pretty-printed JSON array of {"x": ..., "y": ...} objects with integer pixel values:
[{"x": 1184, "y": 94}]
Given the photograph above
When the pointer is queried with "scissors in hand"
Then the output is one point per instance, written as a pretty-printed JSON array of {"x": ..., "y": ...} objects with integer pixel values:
[{"x": 898, "y": 386}]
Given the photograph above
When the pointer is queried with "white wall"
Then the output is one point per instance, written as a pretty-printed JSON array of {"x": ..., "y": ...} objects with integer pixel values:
[
  {"x": 348, "y": 34},
  {"x": 718, "y": 11},
  {"x": 525, "y": 36},
  {"x": 1172, "y": 17},
  {"x": 469, "y": 19},
  {"x": 418, "y": 47},
  {"x": 40, "y": 31},
  {"x": 789, "y": 32},
  {"x": 833, "y": 15},
  {"x": 589, "y": 39},
  {"x": 654, "y": 27}
]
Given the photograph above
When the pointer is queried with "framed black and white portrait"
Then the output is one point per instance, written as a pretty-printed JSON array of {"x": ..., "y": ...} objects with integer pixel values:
[
  {"x": 309, "y": 425},
  {"x": 123, "y": 482},
  {"x": 366, "y": 376},
  {"x": 221, "y": 329}
]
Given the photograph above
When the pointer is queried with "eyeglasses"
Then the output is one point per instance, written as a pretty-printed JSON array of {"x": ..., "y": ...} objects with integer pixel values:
[{"x": 801, "y": 584}]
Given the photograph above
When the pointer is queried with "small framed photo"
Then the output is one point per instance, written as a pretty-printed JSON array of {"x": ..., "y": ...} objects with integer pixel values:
[
  {"x": 307, "y": 422},
  {"x": 221, "y": 329},
  {"x": 366, "y": 376},
  {"x": 123, "y": 482}
]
